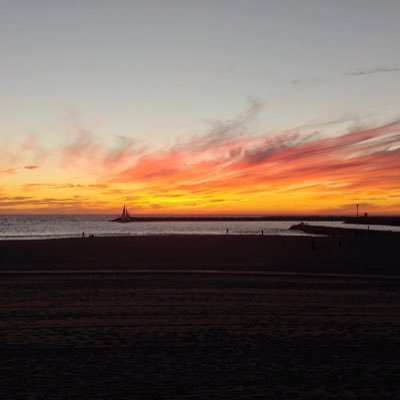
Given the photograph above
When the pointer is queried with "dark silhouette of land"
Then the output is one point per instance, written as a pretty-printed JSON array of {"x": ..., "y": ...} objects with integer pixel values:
[
  {"x": 200, "y": 317},
  {"x": 377, "y": 220},
  {"x": 393, "y": 221},
  {"x": 216, "y": 218},
  {"x": 335, "y": 231}
]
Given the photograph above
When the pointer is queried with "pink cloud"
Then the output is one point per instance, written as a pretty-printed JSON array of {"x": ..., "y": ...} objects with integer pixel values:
[
  {"x": 228, "y": 158},
  {"x": 357, "y": 159},
  {"x": 8, "y": 171}
]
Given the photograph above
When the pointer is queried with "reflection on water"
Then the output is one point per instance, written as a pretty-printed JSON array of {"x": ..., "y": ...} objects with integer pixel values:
[{"x": 44, "y": 226}]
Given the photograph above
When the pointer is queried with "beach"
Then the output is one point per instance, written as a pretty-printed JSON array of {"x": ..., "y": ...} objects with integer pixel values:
[
  {"x": 364, "y": 255},
  {"x": 200, "y": 317}
]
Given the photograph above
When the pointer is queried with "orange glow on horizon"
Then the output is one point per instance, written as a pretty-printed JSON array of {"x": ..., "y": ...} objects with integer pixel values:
[{"x": 217, "y": 173}]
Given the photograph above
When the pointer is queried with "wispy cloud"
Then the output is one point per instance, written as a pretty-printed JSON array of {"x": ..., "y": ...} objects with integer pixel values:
[
  {"x": 305, "y": 82},
  {"x": 15, "y": 170},
  {"x": 300, "y": 188},
  {"x": 229, "y": 166},
  {"x": 83, "y": 144},
  {"x": 64, "y": 186},
  {"x": 220, "y": 132},
  {"x": 13, "y": 201},
  {"x": 370, "y": 71},
  {"x": 355, "y": 161},
  {"x": 8, "y": 171}
]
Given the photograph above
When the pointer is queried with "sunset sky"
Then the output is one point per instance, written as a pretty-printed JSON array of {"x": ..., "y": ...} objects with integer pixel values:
[{"x": 255, "y": 107}]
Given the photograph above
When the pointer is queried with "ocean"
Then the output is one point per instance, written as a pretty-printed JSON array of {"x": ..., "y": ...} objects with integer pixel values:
[{"x": 69, "y": 226}]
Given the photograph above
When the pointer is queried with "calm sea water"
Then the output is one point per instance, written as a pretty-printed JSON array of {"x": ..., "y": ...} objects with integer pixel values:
[{"x": 67, "y": 226}]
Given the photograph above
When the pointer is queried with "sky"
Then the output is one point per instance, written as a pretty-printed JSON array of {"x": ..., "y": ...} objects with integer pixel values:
[{"x": 200, "y": 107}]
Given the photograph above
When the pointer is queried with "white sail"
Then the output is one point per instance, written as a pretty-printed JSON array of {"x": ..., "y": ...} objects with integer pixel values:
[{"x": 124, "y": 217}]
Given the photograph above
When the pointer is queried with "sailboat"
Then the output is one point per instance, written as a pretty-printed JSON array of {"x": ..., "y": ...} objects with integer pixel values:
[{"x": 124, "y": 217}]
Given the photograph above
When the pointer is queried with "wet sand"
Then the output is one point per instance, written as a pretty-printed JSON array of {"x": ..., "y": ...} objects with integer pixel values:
[{"x": 163, "y": 334}]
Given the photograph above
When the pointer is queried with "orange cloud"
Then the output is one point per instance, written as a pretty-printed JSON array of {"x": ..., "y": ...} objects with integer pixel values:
[
  {"x": 358, "y": 162},
  {"x": 8, "y": 171},
  {"x": 228, "y": 169}
]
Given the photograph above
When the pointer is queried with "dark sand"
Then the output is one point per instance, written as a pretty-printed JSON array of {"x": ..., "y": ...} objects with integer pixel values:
[
  {"x": 185, "y": 335},
  {"x": 366, "y": 255}
]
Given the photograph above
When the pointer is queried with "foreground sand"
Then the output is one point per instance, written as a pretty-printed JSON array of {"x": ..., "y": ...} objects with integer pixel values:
[
  {"x": 225, "y": 335},
  {"x": 367, "y": 255}
]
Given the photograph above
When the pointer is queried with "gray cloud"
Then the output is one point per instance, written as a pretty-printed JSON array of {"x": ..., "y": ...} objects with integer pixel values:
[
  {"x": 222, "y": 131},
  {"x": 126, "y": 148},
  {"x": 371, "y": 71},
  {"x": 302, "y": 82},
  {"x": 276, "y": 144}
]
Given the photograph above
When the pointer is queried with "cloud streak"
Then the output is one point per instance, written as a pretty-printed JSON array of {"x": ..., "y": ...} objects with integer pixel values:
[
  {"x": 359, "y": 162},
  {"x": 229, "y": 169},
  {"x": 372, "y": 71}
]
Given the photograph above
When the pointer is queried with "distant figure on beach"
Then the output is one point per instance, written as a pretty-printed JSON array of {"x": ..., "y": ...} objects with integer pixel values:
[
  {"x": 83, "y": 234},
  {"x": 227, "y": 231},
  {"x": 262, "y": 232}
]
